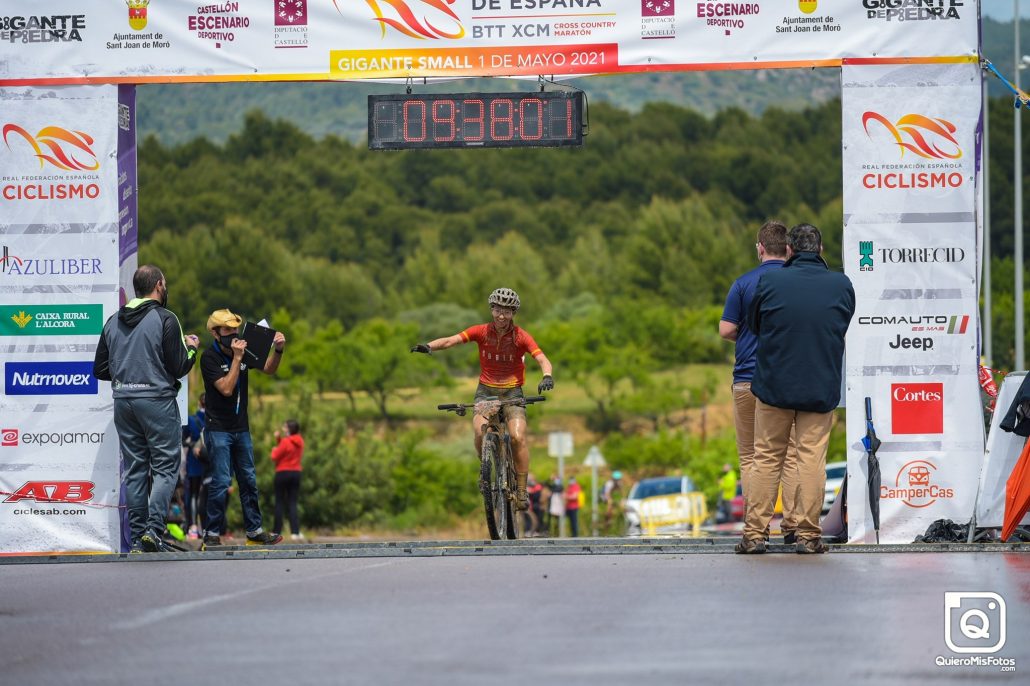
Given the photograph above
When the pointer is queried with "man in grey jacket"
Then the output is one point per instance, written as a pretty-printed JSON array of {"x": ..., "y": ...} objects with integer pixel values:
[{"x": 143, "y": 353}]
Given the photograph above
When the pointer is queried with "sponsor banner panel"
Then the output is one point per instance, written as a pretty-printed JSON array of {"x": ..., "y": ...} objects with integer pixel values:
[
  {"x": 128, "y": 204},
  {"x": 57, "y": 161},
  {"x": 911, "y": 137},
  {"x": 179, "y": 40},
  {"x": 70, "y": 506},
  {"x": 923, "y": 261},
  {"x": 929, "y": 466},
  {"x": 48, "y": 438},
  {"x": 1003, "y": 450},
  {"x": 79, "y": 262}
]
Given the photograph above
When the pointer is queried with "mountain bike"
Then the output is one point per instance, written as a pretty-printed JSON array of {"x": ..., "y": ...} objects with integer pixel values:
[{"x": 497, "y": 466}]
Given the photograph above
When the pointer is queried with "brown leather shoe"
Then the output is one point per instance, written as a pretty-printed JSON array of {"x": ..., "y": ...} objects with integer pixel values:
[
  {"x": 750, "y": 546},
  {"x": 812, "y": 546}
]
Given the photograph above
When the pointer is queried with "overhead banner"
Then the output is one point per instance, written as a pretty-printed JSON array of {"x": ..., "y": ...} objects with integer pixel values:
[
  {"x": 911, "y": 192},
  {"x": 59, "y": 279},
  {"x": 139, "y": 41}
]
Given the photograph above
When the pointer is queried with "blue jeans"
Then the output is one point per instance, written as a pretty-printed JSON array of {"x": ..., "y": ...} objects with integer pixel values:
[{"x": 232, "y": 452}]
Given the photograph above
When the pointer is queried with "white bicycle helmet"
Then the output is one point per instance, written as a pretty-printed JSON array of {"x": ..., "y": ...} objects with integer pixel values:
[{"x": 505, "y": 297}]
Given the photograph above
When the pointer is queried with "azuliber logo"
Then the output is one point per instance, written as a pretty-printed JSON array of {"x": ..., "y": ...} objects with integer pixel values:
[
  {"x": 49, "y": 378},
  {"x": 917, "y": 408}
]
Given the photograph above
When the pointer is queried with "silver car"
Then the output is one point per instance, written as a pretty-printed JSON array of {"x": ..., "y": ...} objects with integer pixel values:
[{"x": 835, "y": 473}]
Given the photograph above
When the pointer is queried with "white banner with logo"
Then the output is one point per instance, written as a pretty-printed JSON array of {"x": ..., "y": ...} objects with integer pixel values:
[
  {"x": 59, "y": 278},
  {"x": 910, "y": 167},
  {"x": 67, "y": 41}
]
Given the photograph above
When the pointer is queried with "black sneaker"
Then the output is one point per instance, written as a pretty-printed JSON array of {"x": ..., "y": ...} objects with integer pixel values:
[
  {"x": 210, "y": 541},
  {"x": 136, "y": 548},
  {"x": 812, "y": 546},
  {"x": 750, "y": 546},
  {"x": 264, "y": 538},
  {"x": 150, "y": 542},
  {"x": 790, "y": 538}
]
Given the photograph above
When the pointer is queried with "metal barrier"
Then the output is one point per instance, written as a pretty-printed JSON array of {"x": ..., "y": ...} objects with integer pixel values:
[{"x": 672, "y": 511}]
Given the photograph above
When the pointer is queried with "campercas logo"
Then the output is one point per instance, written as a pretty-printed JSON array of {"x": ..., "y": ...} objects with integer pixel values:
[
  {"x": 434, "y": 19},
  {"x": 51, "y": 320},
  {"x": 914, "y": 486},
  {"x": 913, "y": 10},
  {"x": 49, "y": 378}
]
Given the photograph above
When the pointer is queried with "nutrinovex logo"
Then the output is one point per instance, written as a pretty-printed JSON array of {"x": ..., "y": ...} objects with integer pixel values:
[
  {"x": 49, "y": 378},
  {"x": 51, "y": 320}
]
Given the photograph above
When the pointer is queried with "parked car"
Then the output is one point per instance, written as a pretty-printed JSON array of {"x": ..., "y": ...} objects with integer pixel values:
[
  {"x": 835, "y": 473},
  {"x": 648, "y": 488}
]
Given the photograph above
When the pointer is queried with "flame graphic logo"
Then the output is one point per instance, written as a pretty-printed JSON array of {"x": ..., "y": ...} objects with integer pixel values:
[
  {"x": 925, "y": 135},
  {"x": 405, "y": 19},
  {"x": 63, "y": 145}
]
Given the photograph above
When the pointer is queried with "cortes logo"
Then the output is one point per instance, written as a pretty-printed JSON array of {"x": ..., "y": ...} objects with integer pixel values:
[
  {"x": 917, "y": 408},
  {"x": 137, "y": 14},
  {"x": 50, "y": 378},
  {"x": 405, "y": 18},
  {"x": 53, "y": 492},
  {"x": 914, "y": 486}
]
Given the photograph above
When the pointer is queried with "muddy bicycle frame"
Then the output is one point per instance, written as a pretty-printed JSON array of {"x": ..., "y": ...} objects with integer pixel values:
[{"x": 497, "y": 480}]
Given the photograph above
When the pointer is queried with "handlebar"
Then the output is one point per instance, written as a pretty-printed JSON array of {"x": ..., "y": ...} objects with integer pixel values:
[{"x": 461, "y": 407}]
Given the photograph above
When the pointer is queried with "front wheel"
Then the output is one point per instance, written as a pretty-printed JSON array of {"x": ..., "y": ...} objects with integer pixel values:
[{"x": 493, "y": 499}]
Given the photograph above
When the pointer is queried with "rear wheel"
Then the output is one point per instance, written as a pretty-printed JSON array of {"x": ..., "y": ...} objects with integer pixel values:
[
  {"x": 488, "y": 487},
  {"x": 513, "y": 517}
]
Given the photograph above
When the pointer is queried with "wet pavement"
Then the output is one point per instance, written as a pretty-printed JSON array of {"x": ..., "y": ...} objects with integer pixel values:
[{"x": 592, "y": 618}]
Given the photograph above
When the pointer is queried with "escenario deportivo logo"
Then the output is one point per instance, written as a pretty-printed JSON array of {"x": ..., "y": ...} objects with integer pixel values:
[{"x": 49, "y": 378}]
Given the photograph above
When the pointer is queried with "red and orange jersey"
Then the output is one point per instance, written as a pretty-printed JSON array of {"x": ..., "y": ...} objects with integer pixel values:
[{"x": 501, "y": 356}]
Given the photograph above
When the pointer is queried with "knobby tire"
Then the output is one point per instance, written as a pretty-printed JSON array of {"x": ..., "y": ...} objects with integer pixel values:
[{"x": 488, "y": 485}]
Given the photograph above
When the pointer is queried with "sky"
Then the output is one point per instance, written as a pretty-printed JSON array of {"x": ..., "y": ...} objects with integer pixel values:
[{"x": 1001, "y": 10}]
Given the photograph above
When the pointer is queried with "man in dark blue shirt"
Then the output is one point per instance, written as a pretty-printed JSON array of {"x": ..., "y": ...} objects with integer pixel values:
[
  {"x": 772, "y": 253},
  {"x": 800, "y": 314}
]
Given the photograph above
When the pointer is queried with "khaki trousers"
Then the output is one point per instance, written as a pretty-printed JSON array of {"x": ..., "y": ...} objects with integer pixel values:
[
  {"x": 744, "y": 419},
  {"x": 772, "y": 433}
]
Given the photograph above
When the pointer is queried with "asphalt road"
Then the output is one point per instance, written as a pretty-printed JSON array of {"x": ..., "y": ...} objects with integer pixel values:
[{"x": 547, "y": 619}]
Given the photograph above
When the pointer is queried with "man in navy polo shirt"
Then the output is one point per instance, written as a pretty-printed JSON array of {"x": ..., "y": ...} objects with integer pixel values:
[{"x": 772, "y": 253}]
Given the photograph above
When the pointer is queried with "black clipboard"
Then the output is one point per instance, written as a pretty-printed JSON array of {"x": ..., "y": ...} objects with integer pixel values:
[{"x": 259, "y": 344}]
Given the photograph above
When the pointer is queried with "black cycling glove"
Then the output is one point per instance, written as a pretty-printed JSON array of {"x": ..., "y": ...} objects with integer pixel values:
[
  {"x": 422, "y": 348},
  {"x": 546, "y": 384}
]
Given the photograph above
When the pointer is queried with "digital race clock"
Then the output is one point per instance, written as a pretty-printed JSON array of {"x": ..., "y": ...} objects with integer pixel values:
[{"x": 475, "y": 120}]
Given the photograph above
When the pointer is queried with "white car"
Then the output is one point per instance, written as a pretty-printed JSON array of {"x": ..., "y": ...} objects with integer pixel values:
[
  {"x": 647, "y": 488},
  {"x": 835, "y": 473}
]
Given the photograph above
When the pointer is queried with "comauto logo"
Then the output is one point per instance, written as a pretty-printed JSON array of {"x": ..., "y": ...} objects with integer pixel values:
[
  {"x": 12, "y": 438},
  {"x": 917, "y": 408},
  {"x": 914, "y": 486},
  {"x": 427, "y": 19},
  {"x": 941, "y": 323}
]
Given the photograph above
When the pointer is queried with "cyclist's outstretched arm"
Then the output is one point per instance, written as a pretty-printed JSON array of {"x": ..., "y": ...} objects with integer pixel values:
[
  {"x": 547, "y": 382},
  {"x": 438, "y": 344}
]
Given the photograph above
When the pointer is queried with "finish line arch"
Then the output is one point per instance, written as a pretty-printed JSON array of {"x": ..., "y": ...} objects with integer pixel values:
[{"x": 912, "y": 169}]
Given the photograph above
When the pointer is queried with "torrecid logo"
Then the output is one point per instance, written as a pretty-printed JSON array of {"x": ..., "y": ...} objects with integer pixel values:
[
  {"x": 49, "y": 378},
  {"x": 917, "y": 408},
  {"x": 53, "y": 492},
  {"x": 869, "y": 255},
  {"x": 865, "y": 262},
  {"x": 13, "y": 438},
  {"x": 914, "y": 486},
  {"x": 51, "y": 320}
]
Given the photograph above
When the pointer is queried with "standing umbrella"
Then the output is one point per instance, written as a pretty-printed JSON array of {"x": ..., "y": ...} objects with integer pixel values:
[
  {"x": 872, "y": 444},
  {"x": 1017, "y": 493}
]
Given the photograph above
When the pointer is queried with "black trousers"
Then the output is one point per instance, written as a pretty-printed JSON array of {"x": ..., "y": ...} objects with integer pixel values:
[{"x": 287, "y": 490}]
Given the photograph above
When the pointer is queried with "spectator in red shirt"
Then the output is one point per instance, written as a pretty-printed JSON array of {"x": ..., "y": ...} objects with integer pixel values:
[
  {"x": 287, "y": 454},
  {"x": 572, "y": 494},
  {"x": 502, "y": 348}
]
